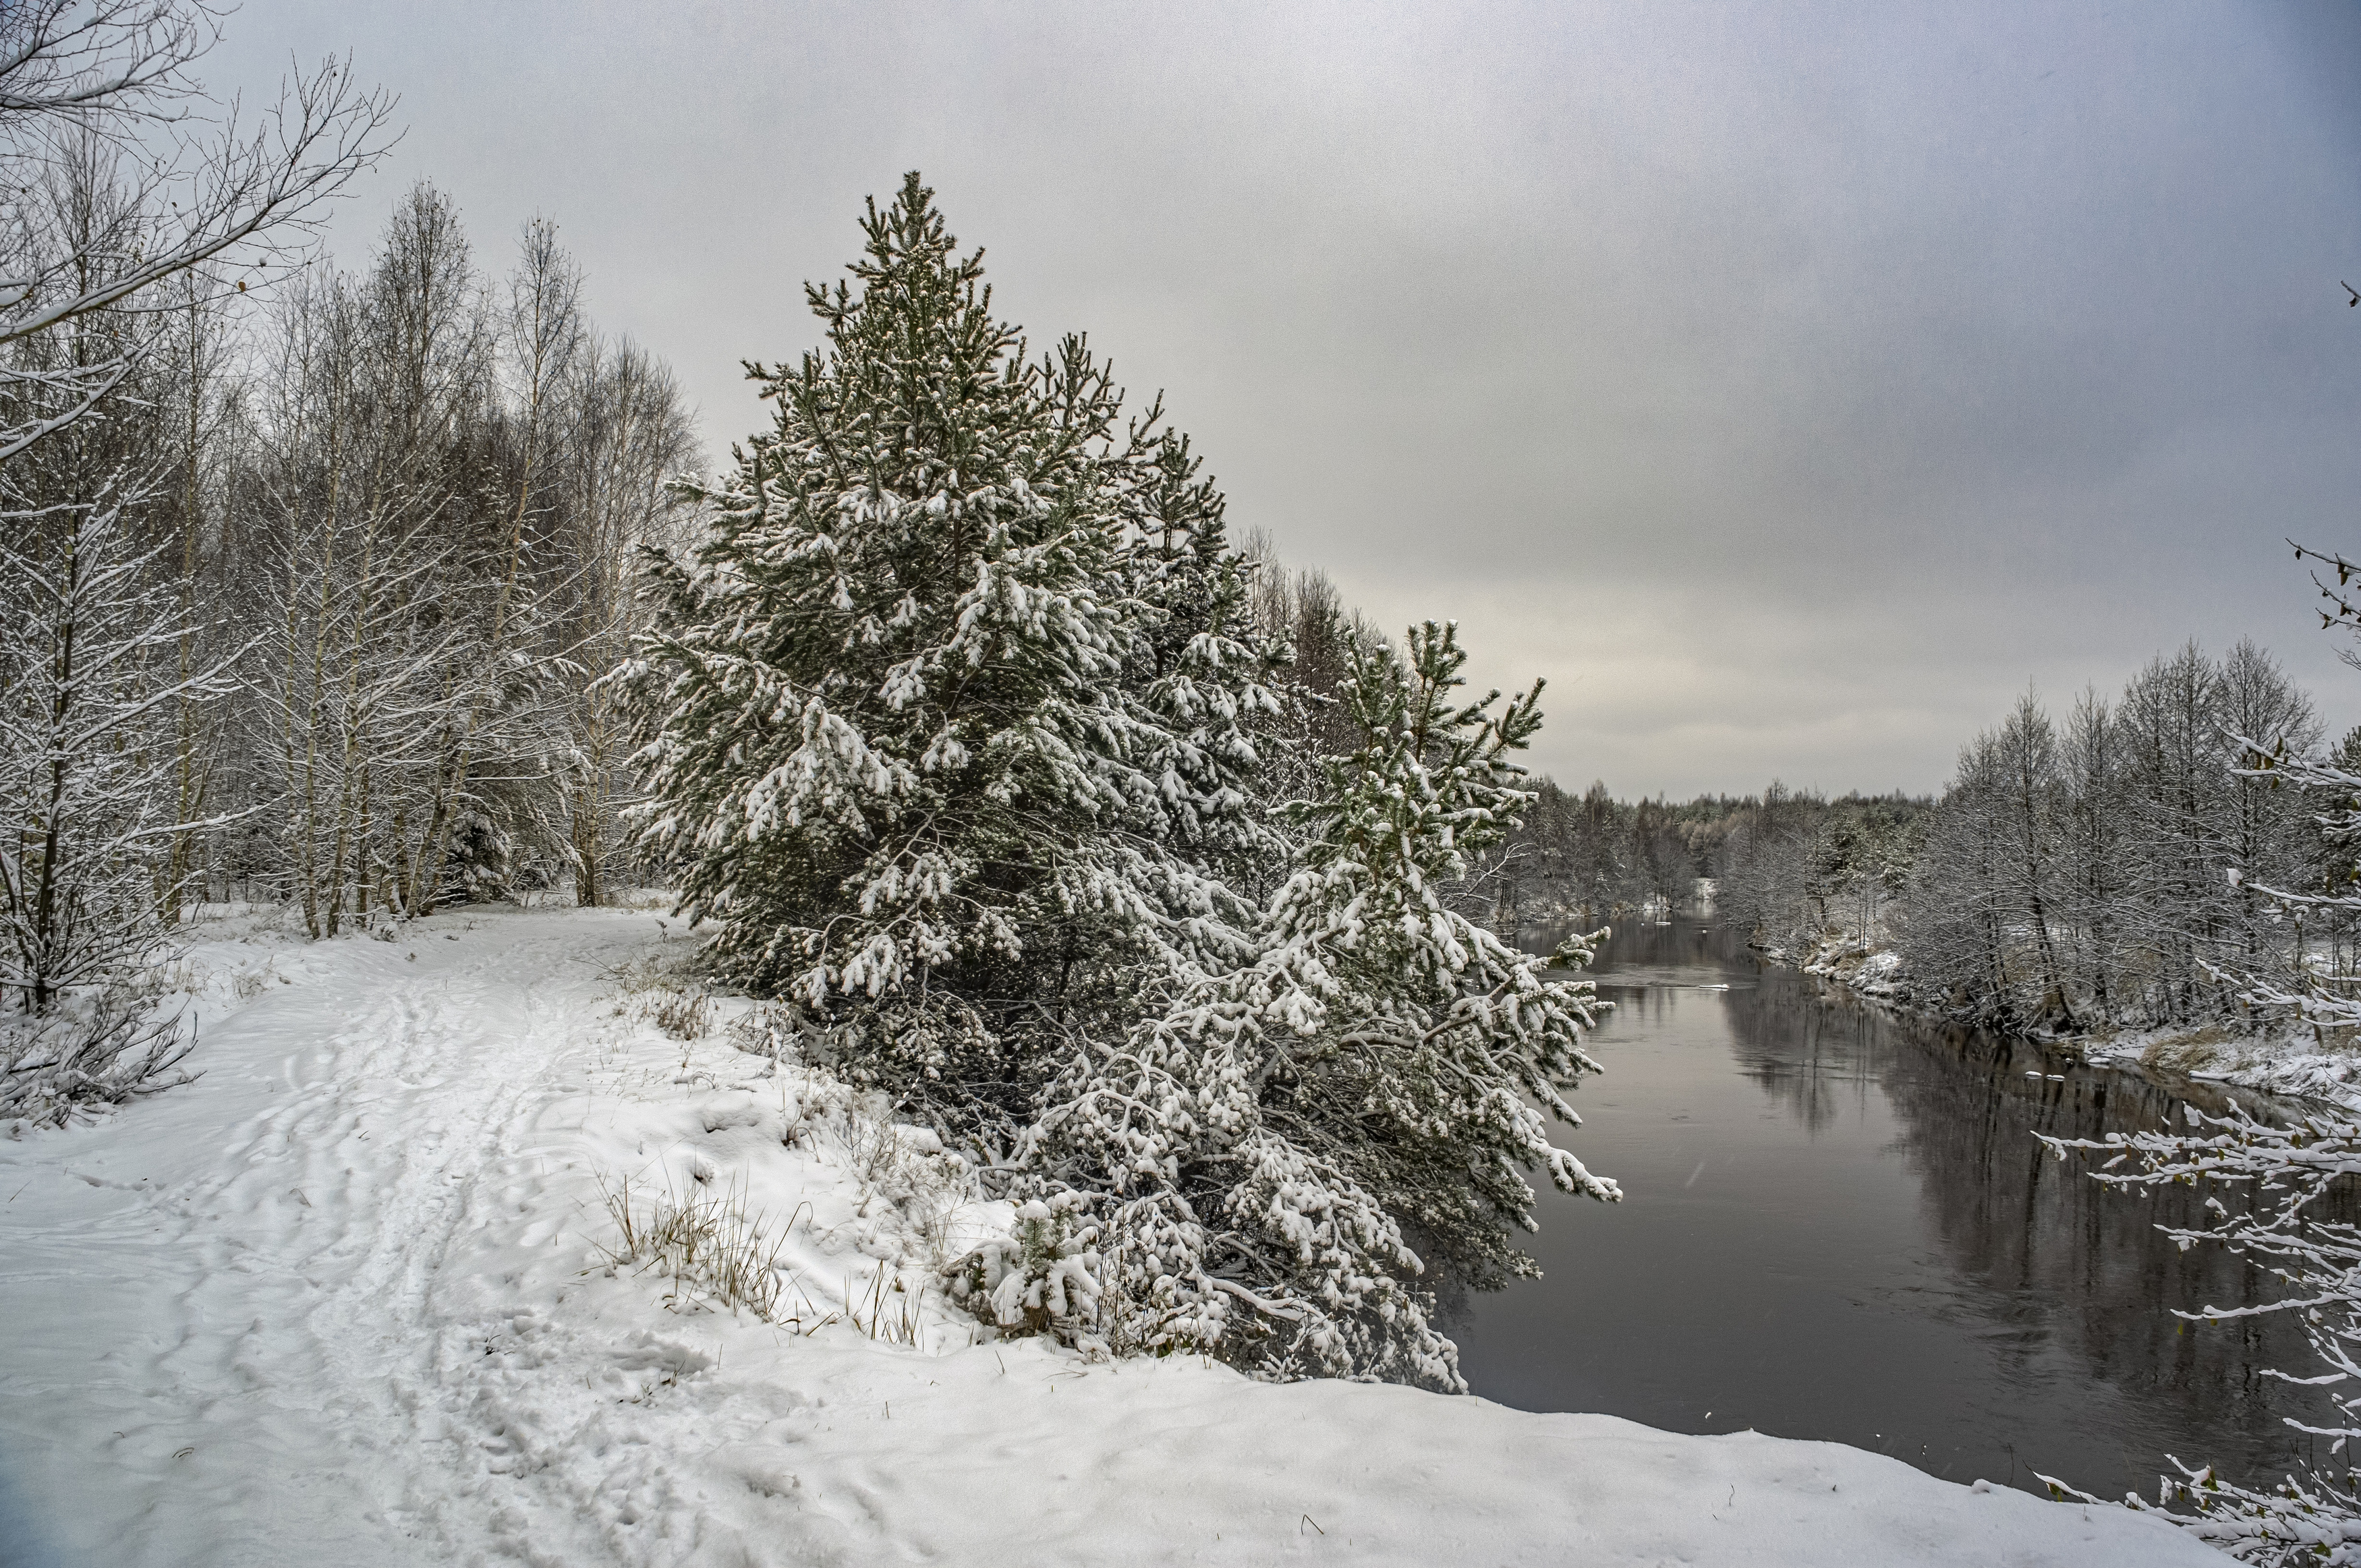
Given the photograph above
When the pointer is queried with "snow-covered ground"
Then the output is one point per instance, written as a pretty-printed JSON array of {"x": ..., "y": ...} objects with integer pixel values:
[
  {"x": 1856, "y": 962},
  {"x": 344, "y": 1302},
  {"x": 2288, "y": 1065}
]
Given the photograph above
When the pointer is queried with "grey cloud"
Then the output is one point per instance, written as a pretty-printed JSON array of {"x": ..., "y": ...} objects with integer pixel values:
[{"x": 1789, "y": 385}]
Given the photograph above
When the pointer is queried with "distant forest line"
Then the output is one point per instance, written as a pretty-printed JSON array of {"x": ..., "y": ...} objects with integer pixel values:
[{"x": 2116, "y": 867}]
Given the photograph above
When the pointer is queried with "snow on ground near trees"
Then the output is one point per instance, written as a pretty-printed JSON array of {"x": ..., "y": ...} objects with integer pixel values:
[
  {"x": 2289, "y": 1064},
  {"x": 341, "y": 1301}
]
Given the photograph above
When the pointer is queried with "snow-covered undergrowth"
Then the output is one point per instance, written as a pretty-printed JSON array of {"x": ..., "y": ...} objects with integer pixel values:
[
  {"x": 361, "y": 1295},
  {"x": 1860, "y": 964},
  {"x": 2289, "y": 1064}
]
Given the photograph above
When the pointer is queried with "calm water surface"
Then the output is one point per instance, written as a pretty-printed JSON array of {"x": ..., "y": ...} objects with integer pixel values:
[{"x": 1838, "y": 1224}]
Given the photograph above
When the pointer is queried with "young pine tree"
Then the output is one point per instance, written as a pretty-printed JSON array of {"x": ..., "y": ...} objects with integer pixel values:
[{"x": 950, "y": 709}]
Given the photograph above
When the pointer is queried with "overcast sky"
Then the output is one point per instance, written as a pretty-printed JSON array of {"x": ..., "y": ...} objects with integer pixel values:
[{"x": 1789, "y": 385}]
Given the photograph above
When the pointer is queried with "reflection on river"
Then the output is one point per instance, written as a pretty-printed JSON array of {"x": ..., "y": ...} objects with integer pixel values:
[{"x": 1838, "y": 1224}]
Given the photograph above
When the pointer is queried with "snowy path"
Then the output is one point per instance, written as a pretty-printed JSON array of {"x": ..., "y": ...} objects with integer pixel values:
[
  {"x": 328, "y": 1306},
  {"x": 248, "y": 1270}
]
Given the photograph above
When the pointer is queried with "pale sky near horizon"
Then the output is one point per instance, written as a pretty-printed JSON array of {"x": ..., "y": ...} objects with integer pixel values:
[{"x": 1790, "y": 385}]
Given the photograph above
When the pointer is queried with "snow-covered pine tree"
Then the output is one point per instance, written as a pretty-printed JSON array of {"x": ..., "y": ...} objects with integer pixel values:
[
  {"x": 1266, "y": 1155},
  {"x": 1197, "y": 660},
  {"x": 949, "y": 708}
]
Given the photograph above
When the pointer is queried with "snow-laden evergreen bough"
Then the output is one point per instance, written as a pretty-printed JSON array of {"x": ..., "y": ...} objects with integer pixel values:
[
  {"x": 954, "y": 725},
  {"x": 1269, "y": 1146}
]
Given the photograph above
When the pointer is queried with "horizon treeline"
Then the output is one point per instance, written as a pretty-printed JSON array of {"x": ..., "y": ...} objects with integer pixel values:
[
  {"x": 2111, "y": 868},
  {"x": 1593, "y": 856}
]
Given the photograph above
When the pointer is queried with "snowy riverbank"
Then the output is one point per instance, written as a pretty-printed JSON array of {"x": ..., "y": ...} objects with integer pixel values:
[
  {"x": 2292, "y": 1065},
  {"x": 1856, "y": 963},
  {"x": 2288, "y": 1065},
  {"x": 344, "y": 1299}
]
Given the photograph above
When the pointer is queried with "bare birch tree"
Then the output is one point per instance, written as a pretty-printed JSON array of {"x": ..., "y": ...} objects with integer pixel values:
[
  {"x": 93, "y": 673},
  {"x": 212, "y": 200}
]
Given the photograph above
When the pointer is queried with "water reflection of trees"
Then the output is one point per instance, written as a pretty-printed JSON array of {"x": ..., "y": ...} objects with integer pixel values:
[{"x": 2045, "y": 1255}]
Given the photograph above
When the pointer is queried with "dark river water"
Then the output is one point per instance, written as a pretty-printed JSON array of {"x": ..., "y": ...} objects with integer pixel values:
[{"x": 1838, "y": 1224}]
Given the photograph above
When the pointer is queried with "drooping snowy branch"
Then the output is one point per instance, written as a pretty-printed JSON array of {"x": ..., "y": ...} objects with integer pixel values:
[
  {"x": 1269, "y": 1143},
  {"x": 2273, "y": 1178}
]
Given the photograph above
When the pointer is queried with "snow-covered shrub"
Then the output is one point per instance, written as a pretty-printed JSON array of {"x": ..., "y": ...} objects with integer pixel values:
[
  {"x": 1042, "y": 1277},
  {"x": 101, "y": 1046}
]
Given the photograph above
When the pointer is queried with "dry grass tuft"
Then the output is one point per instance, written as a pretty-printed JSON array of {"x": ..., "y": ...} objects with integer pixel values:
[
  {"x": 680, "y": 1015},
  {"x": 654, "y": 986},
  {"x": 925, "y": 1189},
  {"x": 2192, "y": 1050},
  {"x": 890, "y": 1311},
  {"x": 714, "y": 1253}
]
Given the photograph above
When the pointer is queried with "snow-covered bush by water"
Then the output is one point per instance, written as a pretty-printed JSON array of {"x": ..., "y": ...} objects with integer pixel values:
[{"x": 1272, "y": 1149}]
